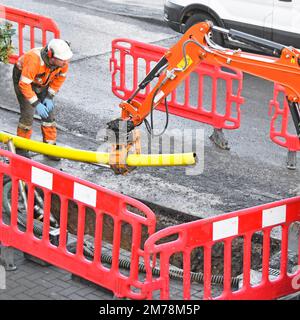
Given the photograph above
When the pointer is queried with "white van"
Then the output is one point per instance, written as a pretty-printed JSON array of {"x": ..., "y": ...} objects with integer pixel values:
[{"x": 276, "y": 20}]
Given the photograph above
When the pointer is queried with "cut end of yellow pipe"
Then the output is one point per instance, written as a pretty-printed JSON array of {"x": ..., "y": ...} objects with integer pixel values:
[{"x": 154, "y": 160}]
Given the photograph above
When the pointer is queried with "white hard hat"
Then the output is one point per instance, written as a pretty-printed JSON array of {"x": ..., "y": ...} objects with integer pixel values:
[{"x": 60, "y": 49}]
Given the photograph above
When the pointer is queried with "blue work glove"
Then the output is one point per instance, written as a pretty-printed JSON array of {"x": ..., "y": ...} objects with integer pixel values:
[
  {"x": 42, "y": 111},
  {"x": 48, "y": 102}
]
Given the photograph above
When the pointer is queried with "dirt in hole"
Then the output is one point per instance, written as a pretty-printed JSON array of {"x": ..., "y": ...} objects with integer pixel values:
[{"x": 166, "y": 218}]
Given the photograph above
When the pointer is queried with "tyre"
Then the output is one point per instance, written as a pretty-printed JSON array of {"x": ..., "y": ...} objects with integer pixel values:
[{"x": 201, "y": 17}]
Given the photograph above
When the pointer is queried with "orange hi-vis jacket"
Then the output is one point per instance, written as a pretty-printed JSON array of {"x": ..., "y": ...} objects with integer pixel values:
[{"x": 35, "y": 71}]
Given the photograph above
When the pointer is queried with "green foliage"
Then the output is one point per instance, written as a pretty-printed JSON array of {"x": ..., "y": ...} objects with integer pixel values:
[{"x": 6, "y": 47}]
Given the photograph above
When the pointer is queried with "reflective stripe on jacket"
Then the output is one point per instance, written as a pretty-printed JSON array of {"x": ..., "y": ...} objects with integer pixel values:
[{"x": 35, "y": 71}]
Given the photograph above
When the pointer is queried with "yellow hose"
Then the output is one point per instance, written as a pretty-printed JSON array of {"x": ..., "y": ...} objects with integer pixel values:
[{"x": 136, "y": 160}]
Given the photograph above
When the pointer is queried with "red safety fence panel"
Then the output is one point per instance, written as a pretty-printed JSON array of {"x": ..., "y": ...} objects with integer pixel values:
[
  {"x": 31, "y": 29},
  {"x": 223, "y": 230},
  {"x": 279, "y": 131},
  {"x": 133, "y": 60},
  {"x": 71, "y": 191}
]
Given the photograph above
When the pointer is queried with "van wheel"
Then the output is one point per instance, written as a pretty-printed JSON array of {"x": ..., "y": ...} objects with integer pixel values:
[{"x": 201, "y": 17}]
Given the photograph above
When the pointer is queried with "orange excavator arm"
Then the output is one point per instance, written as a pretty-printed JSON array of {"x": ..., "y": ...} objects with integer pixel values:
[{"x": 282, "y": 66}]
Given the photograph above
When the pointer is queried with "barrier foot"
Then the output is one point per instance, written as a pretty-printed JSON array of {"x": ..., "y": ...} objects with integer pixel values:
[
  {"x": 291, "y": 160},
  {"x": 219, "y": 139},
  {"x": 36, "y": 260},
  {"x": 7, "y": 258}
]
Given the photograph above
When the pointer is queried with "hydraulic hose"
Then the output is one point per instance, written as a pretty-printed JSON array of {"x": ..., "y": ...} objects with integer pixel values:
[{"x": 174, "y": 273}]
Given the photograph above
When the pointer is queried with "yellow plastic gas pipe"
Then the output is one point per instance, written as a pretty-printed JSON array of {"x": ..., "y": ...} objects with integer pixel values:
[{"x": 136, "y": 160}]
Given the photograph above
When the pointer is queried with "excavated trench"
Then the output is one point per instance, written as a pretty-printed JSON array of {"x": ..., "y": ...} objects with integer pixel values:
[{"x": 166, "y": 218}]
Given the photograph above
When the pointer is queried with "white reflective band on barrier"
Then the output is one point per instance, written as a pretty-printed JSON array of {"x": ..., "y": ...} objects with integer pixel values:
[
  {"x": 225, "y": 228},
  {"x": 85, "y": 194},
  {"x": 274, "y": 216},
  {"x": 42, "y": 178}
]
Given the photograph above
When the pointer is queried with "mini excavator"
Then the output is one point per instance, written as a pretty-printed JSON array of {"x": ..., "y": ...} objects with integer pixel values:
[{"x": 281, "y": 64}]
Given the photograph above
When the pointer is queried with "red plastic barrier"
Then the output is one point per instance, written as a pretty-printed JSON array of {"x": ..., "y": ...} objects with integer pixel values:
[
  {"x": 133, "y": 60},
  {"x": 280, "y": 119},
  {"x": 204, "y": 234},
  {"x": 34, "y": 22},
  {"x": 101, "y": 201}
]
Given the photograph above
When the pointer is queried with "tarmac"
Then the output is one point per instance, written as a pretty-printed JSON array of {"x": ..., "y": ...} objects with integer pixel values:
[{"x": 32, "y": 281}]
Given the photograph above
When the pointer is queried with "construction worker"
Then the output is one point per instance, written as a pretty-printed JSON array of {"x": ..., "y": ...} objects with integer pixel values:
[{"x": 38, "y": 76}]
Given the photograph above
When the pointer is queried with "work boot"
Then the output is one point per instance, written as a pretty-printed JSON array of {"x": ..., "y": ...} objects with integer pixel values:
[
  {"x": 23, "y": 131},
  {"x": 49, "y": 136}
]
